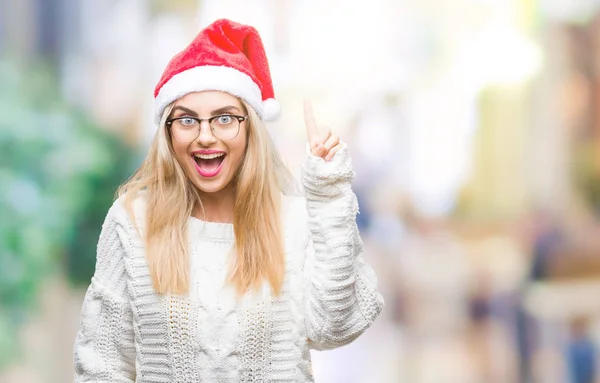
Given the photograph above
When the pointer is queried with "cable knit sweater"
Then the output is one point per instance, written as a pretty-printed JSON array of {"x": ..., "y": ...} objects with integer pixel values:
[{"x": 131, "y": 334}]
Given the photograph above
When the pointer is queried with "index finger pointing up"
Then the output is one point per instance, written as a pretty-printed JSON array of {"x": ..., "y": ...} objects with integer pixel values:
[{"x": 309, "y": 120}]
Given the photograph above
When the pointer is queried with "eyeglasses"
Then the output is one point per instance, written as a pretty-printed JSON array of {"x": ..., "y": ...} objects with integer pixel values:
[{"x": 187, "y": 129}]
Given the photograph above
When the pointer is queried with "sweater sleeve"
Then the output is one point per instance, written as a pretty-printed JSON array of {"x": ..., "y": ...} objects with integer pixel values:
[
  {"x": 104, "y": 349},
  {"x": 341, "y": 297}
]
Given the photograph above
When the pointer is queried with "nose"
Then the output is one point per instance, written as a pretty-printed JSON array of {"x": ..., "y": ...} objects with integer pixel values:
[{"x": 206, "y": 136}]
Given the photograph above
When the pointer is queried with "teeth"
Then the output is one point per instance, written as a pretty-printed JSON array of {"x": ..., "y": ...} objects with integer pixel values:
[{"x": 208, "y": 156}]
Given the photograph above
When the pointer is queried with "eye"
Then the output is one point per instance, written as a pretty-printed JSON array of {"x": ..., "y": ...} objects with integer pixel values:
[
  {"x": 224, "y": 120},
  {"x": 187, "y": 121}
]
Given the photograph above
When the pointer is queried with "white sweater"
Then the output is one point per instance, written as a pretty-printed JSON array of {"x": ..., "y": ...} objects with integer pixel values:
[{"x": 130, "y": 334}]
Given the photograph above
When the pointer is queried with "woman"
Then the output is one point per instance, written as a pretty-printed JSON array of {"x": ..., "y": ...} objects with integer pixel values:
[{"x": 206, "y": 269}]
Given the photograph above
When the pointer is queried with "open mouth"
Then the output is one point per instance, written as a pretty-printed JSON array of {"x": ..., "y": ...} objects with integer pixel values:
[{"x": 209, "y": 165}]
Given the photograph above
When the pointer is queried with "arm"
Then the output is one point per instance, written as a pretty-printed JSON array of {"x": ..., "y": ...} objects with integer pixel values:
[
  {"x": 104, "y": 349},
  {"x": 341, "y": 297}
]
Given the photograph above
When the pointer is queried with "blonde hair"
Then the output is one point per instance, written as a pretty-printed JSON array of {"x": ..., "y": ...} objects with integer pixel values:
[{"x": 171, "y": 198}]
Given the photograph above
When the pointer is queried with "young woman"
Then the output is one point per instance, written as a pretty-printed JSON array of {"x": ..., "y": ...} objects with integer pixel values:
[{"x": 207, "y": 269}]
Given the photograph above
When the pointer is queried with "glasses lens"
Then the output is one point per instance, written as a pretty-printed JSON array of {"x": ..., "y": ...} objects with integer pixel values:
[
  {"x": 225, "y": 127},
  {"x": 185, "y": 129}
]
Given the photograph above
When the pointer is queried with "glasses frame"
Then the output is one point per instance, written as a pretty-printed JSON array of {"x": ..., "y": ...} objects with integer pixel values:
[{"x": 240, "y": 119}]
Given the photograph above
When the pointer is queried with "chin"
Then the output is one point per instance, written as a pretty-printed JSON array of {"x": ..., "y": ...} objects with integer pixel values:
[
  {"x": 209, "y": 189},
  {"x": 215, "y": 185}
]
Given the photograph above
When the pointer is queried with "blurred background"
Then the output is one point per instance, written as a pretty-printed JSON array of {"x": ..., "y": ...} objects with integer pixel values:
[{"x": 474, "y": 126}]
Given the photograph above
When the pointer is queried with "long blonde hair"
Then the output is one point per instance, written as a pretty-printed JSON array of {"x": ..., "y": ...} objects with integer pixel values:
[{"x": 171, "y": 198}]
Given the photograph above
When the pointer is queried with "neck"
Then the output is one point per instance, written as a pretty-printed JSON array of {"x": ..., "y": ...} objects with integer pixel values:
[{"x": 218, "y": 206}]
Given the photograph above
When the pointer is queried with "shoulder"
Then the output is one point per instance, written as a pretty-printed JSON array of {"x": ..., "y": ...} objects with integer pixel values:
[
  {"x": 295, "y": 218},
  {"x": 294, "y": 208},
  {"x": 127, "y": 212}
]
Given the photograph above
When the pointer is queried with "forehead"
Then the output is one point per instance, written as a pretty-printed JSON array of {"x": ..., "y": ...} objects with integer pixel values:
[{"x": 207, "y": 101}]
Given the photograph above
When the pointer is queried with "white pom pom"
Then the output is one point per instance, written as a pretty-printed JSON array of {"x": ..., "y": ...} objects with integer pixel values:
[{"x": 271, "y": 109}]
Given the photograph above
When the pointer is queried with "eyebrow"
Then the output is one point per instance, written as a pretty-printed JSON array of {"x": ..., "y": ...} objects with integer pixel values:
[
  {"x": 216, "y": 112},
  {"x": 225, "y": 109},
  {"x": 185, "y": 110}
]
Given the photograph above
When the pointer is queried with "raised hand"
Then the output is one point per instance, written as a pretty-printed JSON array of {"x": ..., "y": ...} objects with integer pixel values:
[{"x": 322, "y": 142}]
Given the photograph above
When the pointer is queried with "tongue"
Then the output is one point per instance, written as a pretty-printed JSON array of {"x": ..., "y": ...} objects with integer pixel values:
[{"x": 211, "y": 164}]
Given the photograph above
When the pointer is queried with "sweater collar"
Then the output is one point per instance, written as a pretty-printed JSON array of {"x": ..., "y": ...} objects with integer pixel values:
[{"x": 213, "y": 230}]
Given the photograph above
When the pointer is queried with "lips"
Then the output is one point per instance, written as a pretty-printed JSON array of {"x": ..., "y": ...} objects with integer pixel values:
[{"x": 208, "y": 163}]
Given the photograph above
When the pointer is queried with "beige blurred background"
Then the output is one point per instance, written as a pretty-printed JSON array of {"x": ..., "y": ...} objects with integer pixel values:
[{"x": 474, "y": 127}]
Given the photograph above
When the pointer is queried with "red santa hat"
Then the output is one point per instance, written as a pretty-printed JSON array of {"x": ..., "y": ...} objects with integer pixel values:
[{"x": 225, "y": 56}]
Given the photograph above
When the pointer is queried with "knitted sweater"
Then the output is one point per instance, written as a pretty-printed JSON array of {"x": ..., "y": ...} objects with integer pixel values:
[{"x": 131, "y": 334}]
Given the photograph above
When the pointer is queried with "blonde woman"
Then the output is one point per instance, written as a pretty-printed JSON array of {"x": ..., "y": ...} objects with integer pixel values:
[{"x": 207, "y": 269}]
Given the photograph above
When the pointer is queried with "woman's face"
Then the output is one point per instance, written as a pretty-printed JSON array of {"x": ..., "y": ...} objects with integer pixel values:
[{"x": 209, "y": 161}]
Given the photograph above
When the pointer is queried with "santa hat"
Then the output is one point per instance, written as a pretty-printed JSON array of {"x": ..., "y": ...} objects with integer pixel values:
[{"x": 225, "y": 56}]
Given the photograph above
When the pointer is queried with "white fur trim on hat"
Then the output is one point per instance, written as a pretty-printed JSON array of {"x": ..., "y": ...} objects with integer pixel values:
[{"x": 203, "y": 78}]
